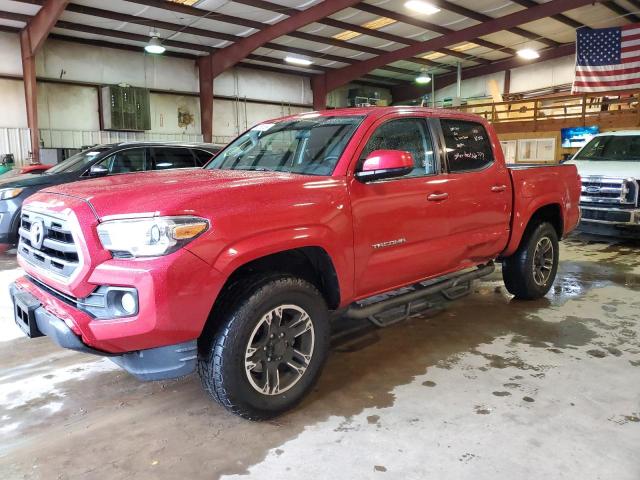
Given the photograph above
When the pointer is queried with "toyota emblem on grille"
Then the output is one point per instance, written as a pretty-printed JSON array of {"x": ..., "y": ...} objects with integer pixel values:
[
  {"x": 593, "y": 189},
  {"x": 36, "y": 234}
]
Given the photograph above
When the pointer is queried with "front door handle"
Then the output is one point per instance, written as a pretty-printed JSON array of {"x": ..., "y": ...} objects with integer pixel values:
[
  {"x": 437, "y": 197},
  {"x": 498, "y": 188}
]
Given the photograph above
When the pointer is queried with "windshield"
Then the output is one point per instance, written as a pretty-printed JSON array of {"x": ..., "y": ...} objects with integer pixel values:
[
  {"x": 78, "y": 162},
  {"x": 310, "y": 146},
  {"x": 611, "y": 147}
]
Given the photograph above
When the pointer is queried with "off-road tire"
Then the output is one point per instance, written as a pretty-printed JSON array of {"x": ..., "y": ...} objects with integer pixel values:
[
  {"x": 518, "y": 269},
  {"x": 221, "y": 363}
]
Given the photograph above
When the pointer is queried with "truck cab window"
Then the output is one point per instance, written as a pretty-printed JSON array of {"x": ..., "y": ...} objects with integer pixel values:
[
  {"x": 407, "y": 134},
  {"x": 468, "y": 145}
]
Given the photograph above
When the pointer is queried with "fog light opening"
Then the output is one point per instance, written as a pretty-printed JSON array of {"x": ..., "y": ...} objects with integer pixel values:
[{"x": 128, "y": 303}]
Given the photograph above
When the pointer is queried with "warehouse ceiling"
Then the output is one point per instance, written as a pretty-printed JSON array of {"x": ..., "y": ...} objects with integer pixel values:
[{"x": 365, "y": 30}]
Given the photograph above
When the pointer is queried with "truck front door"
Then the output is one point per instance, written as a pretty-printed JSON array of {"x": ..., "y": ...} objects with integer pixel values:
[{"x": 400, "y": 232}]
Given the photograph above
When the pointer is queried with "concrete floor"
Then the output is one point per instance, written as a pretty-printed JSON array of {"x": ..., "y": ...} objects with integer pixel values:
[{"x": 488, "y": 389}]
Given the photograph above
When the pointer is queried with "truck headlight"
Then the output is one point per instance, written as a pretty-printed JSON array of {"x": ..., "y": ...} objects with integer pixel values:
[
  {"x": 9, "y": 193},
  {"x": 149, "y": 237}
]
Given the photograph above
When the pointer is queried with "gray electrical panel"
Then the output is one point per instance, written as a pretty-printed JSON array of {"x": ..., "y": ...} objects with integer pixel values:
[{"x": 126, "y": 108}]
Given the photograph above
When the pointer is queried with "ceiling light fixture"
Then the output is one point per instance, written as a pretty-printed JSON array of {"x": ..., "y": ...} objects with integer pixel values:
[
  {"x": 423, "y": 77},
  {"x": 297, "y": 61},
  {"x": 421, "y": 7},
  {"x": 528, "y": 54},
  {"x": 155, "y": 45}
]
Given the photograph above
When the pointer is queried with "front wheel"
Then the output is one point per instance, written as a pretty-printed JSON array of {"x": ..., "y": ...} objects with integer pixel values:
[
  {"x": 530, "y": 271},
  {"x": 271, "y": 348}
]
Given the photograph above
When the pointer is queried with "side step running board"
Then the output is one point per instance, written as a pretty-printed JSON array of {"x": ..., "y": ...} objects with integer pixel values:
[{"x": 451, "y": 288}]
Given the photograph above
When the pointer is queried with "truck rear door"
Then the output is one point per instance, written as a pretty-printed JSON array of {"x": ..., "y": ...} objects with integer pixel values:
[{"x": 479, "y": 189}]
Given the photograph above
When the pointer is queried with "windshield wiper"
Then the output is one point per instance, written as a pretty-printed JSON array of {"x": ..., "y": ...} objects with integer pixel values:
[{"x": 254, "y": 168}]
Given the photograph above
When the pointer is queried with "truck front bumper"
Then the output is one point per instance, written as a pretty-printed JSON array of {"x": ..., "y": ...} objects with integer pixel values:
[
  {"x": 618, "y": 222},
  {"x": 160, "y": 363},
  {"x": 611, "y": 216},
  {"x": 175, "y": 295}
]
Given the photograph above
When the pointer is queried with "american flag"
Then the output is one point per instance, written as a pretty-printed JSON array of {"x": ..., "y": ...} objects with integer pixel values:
[{"x": 607, "y": 59}]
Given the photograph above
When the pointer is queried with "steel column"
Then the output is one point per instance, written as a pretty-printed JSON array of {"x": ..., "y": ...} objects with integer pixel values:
[
  {"x": 32, "y": 37},
  {"x": 319, "y": 90},
  {"x": 206, "y": 97}
]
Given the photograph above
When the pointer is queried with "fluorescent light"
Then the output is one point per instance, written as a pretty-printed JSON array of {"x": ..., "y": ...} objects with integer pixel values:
[
  {"x": 423, "y": 77},
  {"x": 421, "y": 7},
  {"x": 298, "y": 61},
  {"x": 154, "y": 45},
  {"x": 346, "y": 35},
  {"x": 379, "y": 23},
  {"x": 528, "y": 53}
]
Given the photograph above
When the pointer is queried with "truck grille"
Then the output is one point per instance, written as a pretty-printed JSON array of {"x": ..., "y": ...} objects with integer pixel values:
[
  {"x": 47, "y": 242},
  {"x": 614, "y": 191}
]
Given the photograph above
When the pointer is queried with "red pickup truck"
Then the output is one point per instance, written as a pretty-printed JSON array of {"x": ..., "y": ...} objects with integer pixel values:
[{"x": 237, "y": 268}]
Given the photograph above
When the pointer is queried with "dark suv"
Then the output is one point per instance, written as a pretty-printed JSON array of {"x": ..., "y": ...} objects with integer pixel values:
[{"x": 98, "y": 161}]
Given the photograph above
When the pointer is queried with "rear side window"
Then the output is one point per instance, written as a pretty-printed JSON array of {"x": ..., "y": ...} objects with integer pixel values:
[
  {"x": 165, "y": 158},
  {"x": 468, "y": 145}
]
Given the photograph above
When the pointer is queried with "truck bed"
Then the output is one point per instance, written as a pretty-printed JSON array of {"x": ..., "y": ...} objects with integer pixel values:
[{"x": 536, "y": 185}]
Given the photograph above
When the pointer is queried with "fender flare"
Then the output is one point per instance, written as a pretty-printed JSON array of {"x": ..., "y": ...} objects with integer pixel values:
[
  {"x": 243, "y": 251},
  {"x": 521, "y": 222}
]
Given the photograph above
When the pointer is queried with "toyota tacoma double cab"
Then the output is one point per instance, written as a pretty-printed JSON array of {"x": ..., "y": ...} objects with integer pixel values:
[{"x": 237, "y": 269}]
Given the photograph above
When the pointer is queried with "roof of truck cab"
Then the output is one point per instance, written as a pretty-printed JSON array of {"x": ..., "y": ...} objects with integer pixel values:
[
  {"x": 160, "y": 143},
  {"x": 378, "y": 112}
]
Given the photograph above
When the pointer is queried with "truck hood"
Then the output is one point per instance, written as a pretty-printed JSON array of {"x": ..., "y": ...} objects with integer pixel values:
[
  {"x": 179, "y": 192},
  {"x": 605, "y": 168}
]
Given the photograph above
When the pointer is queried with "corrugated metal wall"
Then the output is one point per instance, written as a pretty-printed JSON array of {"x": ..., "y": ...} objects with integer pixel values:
[{"x": 16, "y": 141}]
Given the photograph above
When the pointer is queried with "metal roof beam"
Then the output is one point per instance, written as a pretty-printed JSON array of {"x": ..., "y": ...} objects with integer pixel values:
[
  {"x": 410, "y": 91},
  {"x": 617, "y": 9},
  {"x": 344, "y": 75}
]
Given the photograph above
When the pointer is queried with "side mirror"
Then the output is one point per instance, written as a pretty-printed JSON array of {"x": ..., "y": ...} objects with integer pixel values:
[
  {"x": 98, "y": 171},
  {"x": 382, "y": 164}
]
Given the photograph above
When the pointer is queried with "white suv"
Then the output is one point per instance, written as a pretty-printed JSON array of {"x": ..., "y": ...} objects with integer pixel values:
[{"x": 610, "y": 169}]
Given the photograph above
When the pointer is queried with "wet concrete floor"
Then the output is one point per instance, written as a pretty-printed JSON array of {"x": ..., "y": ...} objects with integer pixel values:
[{"x": 488, "y": 388}]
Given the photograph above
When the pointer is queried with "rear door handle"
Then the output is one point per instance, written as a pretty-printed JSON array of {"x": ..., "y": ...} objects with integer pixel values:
[
  {"x": 437, "y": 197},
  {"x": 498, "y": 188}
]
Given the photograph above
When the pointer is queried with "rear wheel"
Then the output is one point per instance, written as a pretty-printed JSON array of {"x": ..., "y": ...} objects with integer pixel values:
[
  {"x": 529, "y": 273},
  {"x": 271, "y": 348}
]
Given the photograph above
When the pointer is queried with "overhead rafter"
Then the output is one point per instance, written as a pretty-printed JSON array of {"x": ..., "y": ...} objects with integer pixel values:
[
  {"x": 335, "y": 79},
  {"x": 416, "y": 22},
  {"x": 175, "y": 27},
  {"x": 617, "y": 9},
  {"x": 143, "y": 39},
  {"x": 227, "y": 57},
  {"x": 568, "y": 21},
  {"x": 411, "y": 91},
  {"x": 481, "y": 17},
  {"x": 180, "y": 8}
]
